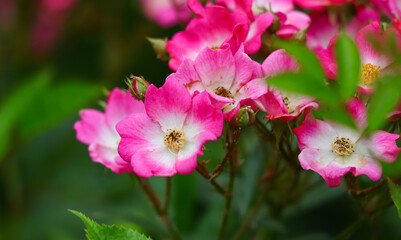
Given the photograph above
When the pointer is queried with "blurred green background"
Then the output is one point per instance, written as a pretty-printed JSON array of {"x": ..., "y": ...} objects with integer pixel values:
[{"x": 52, "y": 64}]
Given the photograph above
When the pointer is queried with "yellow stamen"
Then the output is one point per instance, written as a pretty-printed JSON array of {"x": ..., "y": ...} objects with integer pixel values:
[
  {"x": 343, "y": 146},
  {"x": 221, "y": 91},
  {"x": 174, "y": 139},
  {"x": 370, "y": 73}
]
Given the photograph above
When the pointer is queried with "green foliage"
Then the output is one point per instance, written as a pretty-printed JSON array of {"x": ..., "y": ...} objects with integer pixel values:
[
  {"x": 395, "y": 191},
  {"x": 303, "y": 84},
  {"x": 348, "y": 66},
  {"x": 95, "y": 231},
  {"x": 16, "y": 103},
  {"x": 310, "y": 66},
  {"x": 386, "y": 96},
  {"x": 56, "y": 104}
]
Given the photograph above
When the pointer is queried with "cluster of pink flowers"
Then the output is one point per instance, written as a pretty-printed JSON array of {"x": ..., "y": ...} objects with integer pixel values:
[{"x": 215, "y": 79}]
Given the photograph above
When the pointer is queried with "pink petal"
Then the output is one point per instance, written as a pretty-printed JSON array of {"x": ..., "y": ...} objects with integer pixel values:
[
  {"x": 315, "y": 134},
  {"x": 138, "y": 132},
  {"x": 203, "y": 117},
  {"x": 321, "y": 30},
  {"x": 363, "y": 17},
  {"x": 159, "y": 162},
  {"x": 384, "y": 146},
  {"x": 245, "y": 68},
  {"x": 216, "y": 68},
  {"x": 168, "y": 105},
  {"x": 108, "y": 156},
  {"x": 256, "y": 29},
  {"x": 279, "y": 62},
  {"x": 121, "y": 104},
  {"x": 368, "y": 52},
  {"x": 358, "y": 111},
  {"x": 92, "y": 127}
]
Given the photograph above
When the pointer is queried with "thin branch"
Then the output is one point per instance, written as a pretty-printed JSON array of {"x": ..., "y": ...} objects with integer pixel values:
[
  {"x": 167, "y": 195},
  {"x": 155, "y": 202},
  {"x": 205, "y": 174},
  {"x": 233, "y": 137}
]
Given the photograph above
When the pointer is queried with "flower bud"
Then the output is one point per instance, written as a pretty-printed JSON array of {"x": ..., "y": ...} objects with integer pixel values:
[
  {"x": 137, "y": 86},
  {"x": 276, "y": 25},
  {"x": 244, "y": 117},
  {"x": 159, "y": 46}
]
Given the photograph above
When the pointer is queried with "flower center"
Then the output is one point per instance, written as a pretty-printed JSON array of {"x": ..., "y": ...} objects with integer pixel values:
[
  {"x": 221, "y": 91},
  {"x": 343, "y": 146},
  {"x": 370, "y": 73},
  {"x": 174, "y": 139},
  {"x": 288, "y": 105},
  {"x": 214, "y": 47}
]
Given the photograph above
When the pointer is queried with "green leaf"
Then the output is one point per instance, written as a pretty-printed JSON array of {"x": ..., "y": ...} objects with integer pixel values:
[
  {"x": 95, "y": 231},
  {"x": 16, "y": 103},
  {"x": 383, "y": 101},
  {"x": 310, "y": 66},
  {"x": 303, "y": 84},
  {"x": 278, "y": 130},
  {"x": 55, "y": 105},
  {"x": 349, "y": 64},
  {"x": 395, "y": 191},
  {"x": 338, "y": 115}
]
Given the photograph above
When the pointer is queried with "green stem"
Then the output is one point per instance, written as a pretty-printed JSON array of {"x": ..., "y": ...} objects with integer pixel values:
[
  {"x": 349, "y": 230},
  {"x": 205, "y": 174},
  {"x": 167, "y": 195},
  {"x": 233, "y": 136}
]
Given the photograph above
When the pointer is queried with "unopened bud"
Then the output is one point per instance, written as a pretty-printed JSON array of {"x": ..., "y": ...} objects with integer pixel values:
[
  {"x": 276, "y": 24},
  {"x": 159, "y": 46},
  {"x": 137, "y": 86},
  {"x": 300, "y": 36},
  {"x": 244, "y": 117}
]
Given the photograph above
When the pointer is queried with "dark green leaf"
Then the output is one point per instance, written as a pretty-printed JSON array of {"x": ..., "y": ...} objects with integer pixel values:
[
  {"x": 310, "y": 66},
  {"x": 278, "y": 129},
  {"x": 338, "y": 115},
  {"x": 95, "y": 231},
  {"x": 16, "y": 103},
  {"x": 349, "y": 63},
  {"x": 383, "y": 101},
  {"x": 303, "y": 84},
  {"x": 55, "y": 105},
  {"x": 395, "y": 191}
]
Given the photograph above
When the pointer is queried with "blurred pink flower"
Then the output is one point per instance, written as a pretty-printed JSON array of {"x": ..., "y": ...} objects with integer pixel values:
[
  {"x": 97, "y": 129},
  {"x": 166, "y": 13},
  {"x": 291, "y": 21},
  {"x": 227, "y": 78},
  {"x": 215, "y": 26},
  {"x": 46, "y": 28},
  {"x": 167, "y": 139},
  {"x": 332, "y": 150},
  {"x": 317, "y": 4}
]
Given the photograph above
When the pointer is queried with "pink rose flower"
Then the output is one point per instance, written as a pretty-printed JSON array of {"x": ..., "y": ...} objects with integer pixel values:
[
  {"x": 166, "y": 13},
  {"x": 215, "y": 26},
  {"x": 317, "y": 4},
  {"x": 392, "y": 8},
  {"x": 97, "y": 129},
  {"x": 332, "y": 150},
  {"x": 292, "y": 21},
  {"x": 278, "y": 104},
  {"x": 226, "y": 78},
  {"x": 168, "y": 138}
]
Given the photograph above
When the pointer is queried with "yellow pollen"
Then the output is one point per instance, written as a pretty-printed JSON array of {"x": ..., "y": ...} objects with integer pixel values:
[
  {"x": 221, "y": 91},
  {"x": 288, "y": 105},
  {"x": 343, "y": 146},
  {"x": 370, "y": 73},
  {"x": 214, "y": 47},
  {"x": 174, "y": 139}
]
